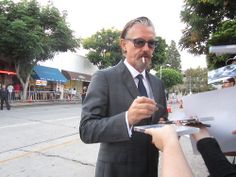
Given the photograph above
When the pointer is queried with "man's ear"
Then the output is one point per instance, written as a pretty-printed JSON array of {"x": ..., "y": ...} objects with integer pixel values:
[{"x": 123, "y": 45}]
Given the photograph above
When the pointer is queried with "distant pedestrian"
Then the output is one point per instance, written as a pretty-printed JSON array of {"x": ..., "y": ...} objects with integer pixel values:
[
  {"x": 58, "y": 93},
  {"x": 17, "y": 89},
  {"x": 167, "y": 95},
  {"x": 181, "y": 104},
  {"x": 10, "y": 89},
  {"x": 73, "y": 93},
  {"x": 4, "y": 97},
  {"x": 83, "y": 93}
]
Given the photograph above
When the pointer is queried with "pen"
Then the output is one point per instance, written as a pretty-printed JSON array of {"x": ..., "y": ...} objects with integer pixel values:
[{"x": 159, "y": 106}]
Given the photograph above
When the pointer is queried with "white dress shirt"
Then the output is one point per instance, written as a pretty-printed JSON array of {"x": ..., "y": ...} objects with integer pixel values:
[{"x": 134, "y": 73}]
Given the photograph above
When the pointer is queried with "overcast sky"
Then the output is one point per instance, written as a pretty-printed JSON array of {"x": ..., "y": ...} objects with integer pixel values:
[{"x": 86, "y": 17}]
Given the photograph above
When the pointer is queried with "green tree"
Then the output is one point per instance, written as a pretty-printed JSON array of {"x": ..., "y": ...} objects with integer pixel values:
[
  {"x": 104, "y": 49},
  {"x": 170, "y": 77},
  {"x": 203, "y": 18},
  {"x": 225, "y": 35},
  {"x": 195, "y": 80},
  {"x": 30, "y": 33},
  {"x": 159, "y": 54},
  {"x": 173, "y": 56}
]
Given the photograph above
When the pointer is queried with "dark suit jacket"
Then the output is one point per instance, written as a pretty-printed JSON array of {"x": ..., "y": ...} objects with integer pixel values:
[
  {"x": 110, "y": 94},
  {"x": 4, "y": 93}
]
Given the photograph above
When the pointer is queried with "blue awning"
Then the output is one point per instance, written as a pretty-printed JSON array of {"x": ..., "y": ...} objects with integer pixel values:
[{"x": 48, "y": 74}]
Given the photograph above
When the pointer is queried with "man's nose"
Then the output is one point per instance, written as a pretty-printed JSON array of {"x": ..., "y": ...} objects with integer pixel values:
[{"x": 146, "y": 47}]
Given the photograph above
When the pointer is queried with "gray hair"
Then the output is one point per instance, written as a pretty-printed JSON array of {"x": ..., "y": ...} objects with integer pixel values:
[{"x": 140, "y": 20}]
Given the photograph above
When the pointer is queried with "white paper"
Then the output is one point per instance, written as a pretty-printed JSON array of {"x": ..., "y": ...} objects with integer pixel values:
[{"x": 220, "y": 104}]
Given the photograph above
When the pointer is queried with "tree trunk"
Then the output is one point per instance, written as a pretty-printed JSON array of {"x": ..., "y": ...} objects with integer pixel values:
[
  {"x": 25, "y": 88},
  {"x": 24, "y": 83}
]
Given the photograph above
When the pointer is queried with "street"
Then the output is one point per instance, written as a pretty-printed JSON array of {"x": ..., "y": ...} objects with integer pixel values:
[{"x": 43, "y": 141}]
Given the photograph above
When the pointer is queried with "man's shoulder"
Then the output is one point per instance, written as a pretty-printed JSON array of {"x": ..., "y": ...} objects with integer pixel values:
[
  {"x": 153, "y": 77},
  {"x": 112, "y": 69}
]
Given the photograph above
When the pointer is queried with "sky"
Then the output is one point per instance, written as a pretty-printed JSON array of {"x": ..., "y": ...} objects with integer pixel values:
[{"x": 86, "y": 17}]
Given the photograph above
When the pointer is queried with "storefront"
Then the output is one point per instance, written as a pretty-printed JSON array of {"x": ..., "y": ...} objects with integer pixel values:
[
  {"x": 47, "y": 81},
  {"x": 76, "y": 80},
  {"x": 7, "y": 73},
  {"x": 6, "y": 77},
  {"x": 76, "y": 68}
]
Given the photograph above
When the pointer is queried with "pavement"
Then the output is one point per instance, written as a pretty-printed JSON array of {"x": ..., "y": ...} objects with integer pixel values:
[
  {"x": 37, "y": 103},
  {"x": 19, "y": 103},
  {"x": 195, "y": 161}
]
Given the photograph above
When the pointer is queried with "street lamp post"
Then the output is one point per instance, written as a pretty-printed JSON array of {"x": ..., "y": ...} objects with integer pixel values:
[
  {"x": 168, "y": 65},
  {"x": 160, "y": 71},
  {"x": 190, "y": 85}
]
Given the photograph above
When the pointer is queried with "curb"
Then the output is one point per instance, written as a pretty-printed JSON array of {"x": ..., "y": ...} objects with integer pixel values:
[{"x": 26, "y": 104}]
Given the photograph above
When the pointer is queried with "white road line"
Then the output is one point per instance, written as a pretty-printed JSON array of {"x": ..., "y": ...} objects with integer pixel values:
[
  {"x": 62, "y": 119},
  {"x": 34, "y": 123}
]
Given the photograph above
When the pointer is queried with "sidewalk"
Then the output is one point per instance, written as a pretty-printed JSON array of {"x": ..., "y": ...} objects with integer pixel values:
[{"x": 37, "y": 103}]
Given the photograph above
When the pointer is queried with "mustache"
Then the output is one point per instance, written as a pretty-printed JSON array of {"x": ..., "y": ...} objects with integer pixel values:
[{"x": 145, "y": 55}]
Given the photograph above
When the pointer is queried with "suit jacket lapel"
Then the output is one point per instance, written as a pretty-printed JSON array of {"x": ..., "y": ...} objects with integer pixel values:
[
  {"x": 153, "y": 86},
  {"x": 127, "y": 79},
  {"x": 154, "y": 93}
]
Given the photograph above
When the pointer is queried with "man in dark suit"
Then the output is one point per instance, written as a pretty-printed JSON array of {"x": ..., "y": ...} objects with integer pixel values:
[
  {"x": 118, "y": 99},
  {"x": 4, "y": 97}
]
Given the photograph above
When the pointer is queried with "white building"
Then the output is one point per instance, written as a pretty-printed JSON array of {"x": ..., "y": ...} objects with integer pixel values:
[
  {"x": 71, "y": 62},
  {"x": 76, "y": 68}
]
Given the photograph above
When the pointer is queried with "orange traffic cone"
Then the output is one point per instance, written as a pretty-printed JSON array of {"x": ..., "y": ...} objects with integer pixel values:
[{"x": 169, "y": 109}]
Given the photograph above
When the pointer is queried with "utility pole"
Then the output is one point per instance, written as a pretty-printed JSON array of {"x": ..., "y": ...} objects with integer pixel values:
[
  {"x": 168, "y": 65},
  {"x": 190, "y": 85}
]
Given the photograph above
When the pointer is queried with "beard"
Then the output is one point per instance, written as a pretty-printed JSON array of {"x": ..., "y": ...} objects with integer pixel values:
[
  {"x": 144, "y": 61},
  {"x": 141, "y": 66}
]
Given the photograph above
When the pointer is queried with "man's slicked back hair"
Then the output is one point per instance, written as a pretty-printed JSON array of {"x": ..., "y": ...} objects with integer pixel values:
[{"x": 140, "y": 20}]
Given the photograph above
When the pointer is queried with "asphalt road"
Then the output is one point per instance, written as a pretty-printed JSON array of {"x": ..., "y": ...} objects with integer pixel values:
[{"x": 43, "y": 141}]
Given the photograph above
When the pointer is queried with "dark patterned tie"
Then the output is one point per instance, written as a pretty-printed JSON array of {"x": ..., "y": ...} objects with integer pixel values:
[{"x": 141, "y": 88}]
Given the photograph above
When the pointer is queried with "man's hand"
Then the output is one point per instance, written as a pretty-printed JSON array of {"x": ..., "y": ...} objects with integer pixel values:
[{"x": 141, "y": 108}]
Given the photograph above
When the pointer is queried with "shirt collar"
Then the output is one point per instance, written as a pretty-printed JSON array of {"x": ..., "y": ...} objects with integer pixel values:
[{"x": 133, "y": 71}]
